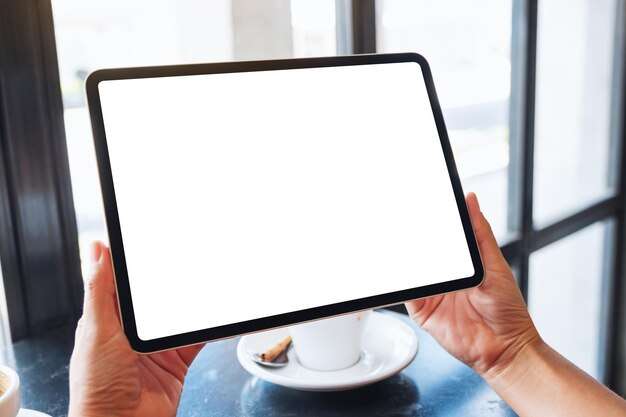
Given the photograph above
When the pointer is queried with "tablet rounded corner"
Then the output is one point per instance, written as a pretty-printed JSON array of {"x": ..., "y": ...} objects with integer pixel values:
[
  {"x": 417, "y": 58},
  {"x": 479, "y": 275},
  {"x": 93, "y": 79},
  {"x": 137, "y": 344}
]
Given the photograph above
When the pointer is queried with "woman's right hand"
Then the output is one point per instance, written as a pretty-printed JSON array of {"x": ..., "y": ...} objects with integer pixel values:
[
  {"x": 486, "y": 327},
  {"x": 489, "y": 328}
]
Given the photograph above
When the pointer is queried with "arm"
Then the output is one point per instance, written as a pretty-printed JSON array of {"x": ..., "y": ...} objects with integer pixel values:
[
  {"x": 541, "y": 382},
  {"x": 489, "y": 329}
]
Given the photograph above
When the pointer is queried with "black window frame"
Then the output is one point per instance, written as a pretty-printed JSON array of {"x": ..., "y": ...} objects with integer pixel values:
[
  {"x": 527, "y": 239},
  {"x": 36, "y": 202},
  {"x": 38, "y": 238}
]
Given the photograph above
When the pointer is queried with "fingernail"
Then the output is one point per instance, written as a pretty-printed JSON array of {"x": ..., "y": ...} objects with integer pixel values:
[{"x": 95, "y": 252}]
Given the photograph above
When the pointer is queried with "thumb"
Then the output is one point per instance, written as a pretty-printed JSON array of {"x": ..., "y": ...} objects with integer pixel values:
[
  {"x": 489, "y": 249},
  {"x": 100, "y": 304}
]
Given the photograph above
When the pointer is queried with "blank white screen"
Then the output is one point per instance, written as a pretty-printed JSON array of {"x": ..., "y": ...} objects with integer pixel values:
[{"x": 246, "y": 195}]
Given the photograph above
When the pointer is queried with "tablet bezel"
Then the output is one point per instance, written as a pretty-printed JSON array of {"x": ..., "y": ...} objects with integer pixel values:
[{"x": 221, "y": 332}]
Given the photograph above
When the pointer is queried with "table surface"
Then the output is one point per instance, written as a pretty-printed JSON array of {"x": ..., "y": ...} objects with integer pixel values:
[{"x": 434, "y": 384}]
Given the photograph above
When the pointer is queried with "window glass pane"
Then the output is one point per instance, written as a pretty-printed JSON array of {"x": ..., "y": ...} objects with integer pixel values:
[
  {"x": 5, "y": 334},
  {"x": 98, "y": 34},
  {"x": 468, "y": 45},
  {"x": 565, "y": 294},
  {"x": 574, "y": 88}
]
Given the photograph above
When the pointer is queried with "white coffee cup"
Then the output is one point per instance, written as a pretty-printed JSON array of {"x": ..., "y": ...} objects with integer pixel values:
[
  {"x": 9, "y": 392},
  {"x": 330, "y": 344}
]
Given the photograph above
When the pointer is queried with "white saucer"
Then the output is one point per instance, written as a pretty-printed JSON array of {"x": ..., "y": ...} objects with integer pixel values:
[{"x": 389, "y": 346}]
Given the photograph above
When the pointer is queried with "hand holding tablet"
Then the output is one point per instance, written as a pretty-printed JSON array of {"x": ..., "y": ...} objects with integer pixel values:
[{"x": 329, "y": 179}]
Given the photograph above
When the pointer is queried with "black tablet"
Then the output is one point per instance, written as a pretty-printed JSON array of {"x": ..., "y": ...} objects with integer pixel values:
[{"x": 244, "y": 196}]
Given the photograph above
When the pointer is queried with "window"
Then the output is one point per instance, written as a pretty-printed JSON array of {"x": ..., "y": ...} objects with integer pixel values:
[
  {"x": 575, "y": 167},
  {"x": 5, "y": 335},
  {"x": 573, "y": 126},
  {"x": 468, "y": 45},
  {"x": 554, "y": 67},
  {"x": 92, "y": 35},
  {"x": 565, "y": 294}
]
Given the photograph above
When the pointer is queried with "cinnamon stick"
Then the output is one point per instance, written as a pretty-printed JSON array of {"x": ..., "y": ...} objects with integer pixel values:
[{"x": 271, "y": 354}]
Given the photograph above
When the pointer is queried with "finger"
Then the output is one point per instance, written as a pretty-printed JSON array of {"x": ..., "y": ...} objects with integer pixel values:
[
  {"x": 100, "y": 303},
  {"x": 189, "y": 353},
  {"x": 413, "y": 307},
  {"x": 489, "y": 249},
  {"x": 420, "y": 310}
]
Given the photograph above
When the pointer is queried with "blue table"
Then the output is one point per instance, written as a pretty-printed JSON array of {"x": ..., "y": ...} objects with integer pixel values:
[{"x": 435, "y": 384}]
